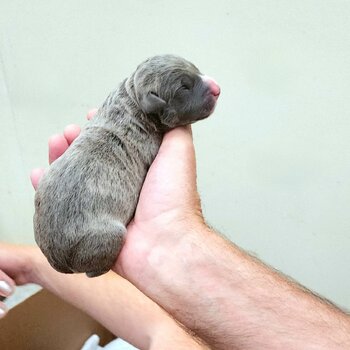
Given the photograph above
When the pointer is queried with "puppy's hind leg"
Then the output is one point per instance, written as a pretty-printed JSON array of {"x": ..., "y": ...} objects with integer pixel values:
[{"x": 97, "y": 249}]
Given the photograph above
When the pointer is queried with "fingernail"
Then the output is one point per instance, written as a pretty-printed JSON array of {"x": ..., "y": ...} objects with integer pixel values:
[
  {"x": 91, "y": 113},
  {"x": 5, "y": 288},
  {"x": 2, "y": 312}
]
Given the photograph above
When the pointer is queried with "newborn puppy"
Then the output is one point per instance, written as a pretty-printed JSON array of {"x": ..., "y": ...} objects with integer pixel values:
[{"x": 89, "y": 194}]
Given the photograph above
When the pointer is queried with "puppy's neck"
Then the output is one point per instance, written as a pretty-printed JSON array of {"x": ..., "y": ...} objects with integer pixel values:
[
  {"x": 150, "y": 121},
  {"x": 130, "y": 89},
  {"x": 122, "y": 108}
]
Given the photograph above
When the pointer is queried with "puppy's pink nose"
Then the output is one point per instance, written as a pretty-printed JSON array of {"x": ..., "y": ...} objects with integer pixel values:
[
  {"x": 214, "y": 88},
  {"x": 213, "y": 85}
]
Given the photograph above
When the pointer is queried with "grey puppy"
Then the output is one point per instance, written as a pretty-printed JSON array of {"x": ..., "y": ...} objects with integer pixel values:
[{"x": 89, "y": 194}]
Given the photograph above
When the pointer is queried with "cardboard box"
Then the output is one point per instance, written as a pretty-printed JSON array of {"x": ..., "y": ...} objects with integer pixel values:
[{"x": 45, "y": 322}]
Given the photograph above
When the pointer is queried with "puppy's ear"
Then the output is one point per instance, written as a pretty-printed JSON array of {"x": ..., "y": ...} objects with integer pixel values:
[{"x": 152, "y": 104}]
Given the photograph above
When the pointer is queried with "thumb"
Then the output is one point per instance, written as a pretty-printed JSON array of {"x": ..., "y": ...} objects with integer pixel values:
[{"x": 173, "y": 172}]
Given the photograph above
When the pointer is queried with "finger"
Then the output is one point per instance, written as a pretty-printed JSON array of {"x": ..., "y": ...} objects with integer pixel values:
[
  {"x": 176, "y": 158},
  {"x": 178, "y": 140},
  {"x": 3, "y": 310},
  {"x": 91, "y": 113},
  {"x": 7, "y": 286},
  {"x": 36, "y": 176},
  {"x": 71, "y": 132},
  {"x": 57, "y": 146}
]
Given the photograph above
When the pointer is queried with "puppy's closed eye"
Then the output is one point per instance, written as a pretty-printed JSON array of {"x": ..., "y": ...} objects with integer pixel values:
[{"x": 186, "y": 84}]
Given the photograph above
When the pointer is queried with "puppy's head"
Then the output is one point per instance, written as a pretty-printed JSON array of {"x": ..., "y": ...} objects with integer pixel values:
[{"x": 174, "y": 90}]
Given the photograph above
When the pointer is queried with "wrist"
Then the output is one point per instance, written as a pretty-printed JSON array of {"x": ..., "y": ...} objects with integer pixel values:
[{"x": 166, "y": 258}]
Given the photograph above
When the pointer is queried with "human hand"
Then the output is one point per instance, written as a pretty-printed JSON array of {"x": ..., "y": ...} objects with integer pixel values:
[
  {"x": 168, "y": 204},
  {"x": 138, "y": 320},
  {"x": 16, "y": 268}
]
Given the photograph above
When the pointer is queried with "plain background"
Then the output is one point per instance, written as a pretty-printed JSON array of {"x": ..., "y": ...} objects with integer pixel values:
[{"x": 274, "y": 159}]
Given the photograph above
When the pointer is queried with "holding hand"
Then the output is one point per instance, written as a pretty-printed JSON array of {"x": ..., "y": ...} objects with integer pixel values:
[
  {"x": 16, "y": 267},
  {"x": 168, "y": 205}
]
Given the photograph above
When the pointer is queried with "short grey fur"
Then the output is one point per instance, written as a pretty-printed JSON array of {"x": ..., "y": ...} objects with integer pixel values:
[{"x": 89, "y": 195}]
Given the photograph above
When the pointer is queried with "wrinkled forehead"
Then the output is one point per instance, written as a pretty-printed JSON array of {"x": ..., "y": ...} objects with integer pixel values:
[{"x": 166, "y": 66}]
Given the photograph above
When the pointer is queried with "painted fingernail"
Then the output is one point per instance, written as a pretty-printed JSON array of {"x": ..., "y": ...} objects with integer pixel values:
[
  {"x": 2, "y": 312},
  {"x": 5, "y": 288}
]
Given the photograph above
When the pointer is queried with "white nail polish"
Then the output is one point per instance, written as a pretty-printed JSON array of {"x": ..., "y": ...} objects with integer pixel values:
[{"x": 5, "y": 287}]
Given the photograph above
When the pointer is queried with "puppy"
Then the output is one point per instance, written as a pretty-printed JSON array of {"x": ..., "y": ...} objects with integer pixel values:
[{"x": 89, "y": 194}]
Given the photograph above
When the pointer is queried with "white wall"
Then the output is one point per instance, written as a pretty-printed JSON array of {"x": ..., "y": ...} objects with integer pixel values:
[{"x": 274, "y": 160}]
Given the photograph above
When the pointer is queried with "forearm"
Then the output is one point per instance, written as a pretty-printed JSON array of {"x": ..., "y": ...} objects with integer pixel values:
[
  {"x": 235, "y": 302},
  {"x": 116, "y": 304}
]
